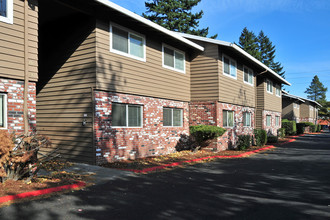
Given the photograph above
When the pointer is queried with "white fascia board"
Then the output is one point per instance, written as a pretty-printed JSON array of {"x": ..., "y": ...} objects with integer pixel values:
[
  {"x": 237, "y": 48},
  {"x": 150, "y": 23},
  {"x": 292, "y": 96}
]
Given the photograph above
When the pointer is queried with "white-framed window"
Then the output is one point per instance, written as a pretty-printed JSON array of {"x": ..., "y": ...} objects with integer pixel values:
[
  {"x": 277, "y": 121},
  {"x": 247, "y": 119},
  {"x": 229, "y": 67},
  {"x": 6, "y": 11},
  {"x": 127, "y": 43},
  {"x": 298, "y": 106},
  {"x": 248, "y": 75},
  {"x": 278, "y": 90},
  {"x": 126, "y": 115},
  {"x": 3, "y": 111},
  {"x": 174, "y": 59},
  {"x": 268, "y": 120},
  {"x": 269, "y": 86},
  {"x": 172, "y": 117},
  {"x": 228, "y": 118}
]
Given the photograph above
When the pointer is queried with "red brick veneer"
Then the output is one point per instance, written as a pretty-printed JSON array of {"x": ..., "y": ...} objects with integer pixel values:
[
  {"x": 129, "y": 143},
  {"x": 210, "y": 113},
  {"x": 15, "y": 99}
]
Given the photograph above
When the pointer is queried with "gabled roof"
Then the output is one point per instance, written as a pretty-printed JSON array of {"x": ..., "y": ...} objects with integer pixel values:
[
  {"x": 238, "y": 49},
  {"x": 149, "y": 23},
  {"x": 284, "y": 93}
]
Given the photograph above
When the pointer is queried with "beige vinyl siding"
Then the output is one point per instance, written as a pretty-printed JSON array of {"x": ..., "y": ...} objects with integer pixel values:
[
  {"x": 204, "y": 75},
  {"x": 288, "y": 111},
  {"x": 66, "y": 100},
  {"x": 260, "y": 101},
  {"x": 123, "y": 74},
  {"x": 296, "y": 111},
  {"x": 235, "y": 91},
  {"x": 272, "y": 102},
  {"x": 12, "y": 43},
  {"x": 304, "y": 110}
]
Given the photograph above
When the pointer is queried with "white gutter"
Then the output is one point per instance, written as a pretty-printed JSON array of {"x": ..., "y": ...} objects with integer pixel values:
[
  {"x": 237, "y": 48},
  {"x": 149, "y": 23},
  {"x": 300, "y": 98},
  {"x": 292, "y": 96}
]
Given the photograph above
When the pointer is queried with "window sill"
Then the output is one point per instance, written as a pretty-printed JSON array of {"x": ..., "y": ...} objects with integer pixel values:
[
  {"x": 176, "y": 70},
  {"x": 248, "y": 83},
  {"x": 127, "y": 55},
  {"x": 230, "y": 76}
]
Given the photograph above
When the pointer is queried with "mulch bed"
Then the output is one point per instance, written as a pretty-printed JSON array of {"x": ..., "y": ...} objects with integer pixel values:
[
  {"x": 57, "y": 178},
  {"x": 143, "y": 163}
]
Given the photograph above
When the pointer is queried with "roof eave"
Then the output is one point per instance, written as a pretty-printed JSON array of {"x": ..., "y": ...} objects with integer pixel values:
[
  {"x": 237, "y": 48},
  {"x": 150, "y": 24}
]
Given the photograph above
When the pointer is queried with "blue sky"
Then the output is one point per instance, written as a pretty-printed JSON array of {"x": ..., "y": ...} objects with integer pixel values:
[{"x": 300, "y": 30}]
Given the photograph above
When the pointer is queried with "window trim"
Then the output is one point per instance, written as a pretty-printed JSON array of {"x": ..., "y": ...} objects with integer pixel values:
[
  {"x": 277, "y": 89},
  {"x": 272, "y": 85},
  {"x": 249, "y": 69},
  {"x": 175, "y": 50},
  {"x": 126, "y": 105},
  {"x": 10, "y": 11},
  {"x": 270, "y": 121},
  {"x": 227, "y": 118},
  {"x": 129, "y": 34},
  {"x": 181, "y": 121},
  {"x": 5, "y": 111},
  {"x": 277, "y": 122},
  {"x": 223, "y": 66},
  {"x": 248, "y": 126}
]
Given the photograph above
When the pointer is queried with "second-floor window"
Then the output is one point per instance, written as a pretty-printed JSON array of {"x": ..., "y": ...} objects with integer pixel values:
[
  {"x": 269, "y": 86},
  {"x": 228, "y": 118},
  {"x": 229, "y": 67},
  {"x": 247, "y": 119},
  {"x": 6, "y": 11},
  {"x": 3, "y": 110},
  {"x": 268, "y": 120},
  {"x": 173, "y": 59},
  {"x": 278, "y": 90},
  {"x": 172, "y": 117},
  {"x": 126, "y": 115},
  {"x": 127, "y": 43},
  {"x": 248, "y": 75}
]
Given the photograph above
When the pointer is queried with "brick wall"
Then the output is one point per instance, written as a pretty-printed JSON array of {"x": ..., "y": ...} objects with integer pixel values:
[
  {"x": 129, "y": 143},
  {"x": 15, "y": 99},
  {"x": 211, "y": 113},
  {"x": 272, "y": 129}
]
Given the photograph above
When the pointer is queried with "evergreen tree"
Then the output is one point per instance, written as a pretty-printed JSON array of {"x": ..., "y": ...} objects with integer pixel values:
[
  {"x": 249, "y": 42},
  {"x": 316, "y": 91},
  {"x": 261, "y": 48},
  {"x": 176, "y": 15},
  {"x": 266, "y": 48}
]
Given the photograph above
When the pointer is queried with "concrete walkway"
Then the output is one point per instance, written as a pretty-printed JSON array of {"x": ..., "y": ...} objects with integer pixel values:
[{"x": 290, "y": 182}]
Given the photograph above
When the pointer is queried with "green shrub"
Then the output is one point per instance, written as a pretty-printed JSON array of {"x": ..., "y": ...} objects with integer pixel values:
[
  {"x": 244, "y": 142},
  {"x": 260, "y": 136},
  {"x": 289, "y": 126},
  {"x": 301, "y": 128},
  {"x": 307, "y": 123},
  {"x": 318, "y": 128},
  {"x": 281, "y": 132},
  {"x": 272, "y": 139},
  {"x": 202, "y": 133},
  {"x": 312, "y": 128}
]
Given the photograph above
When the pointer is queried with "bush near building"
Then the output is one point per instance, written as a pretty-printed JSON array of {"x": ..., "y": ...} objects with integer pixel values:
[
  {"x": 289, "y": 126},
  {"x": 260, "y": 137}
]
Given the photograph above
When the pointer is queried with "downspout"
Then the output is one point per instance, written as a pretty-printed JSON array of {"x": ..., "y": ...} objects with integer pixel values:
[
  {"x": 93, "y": 123},
  {"x": 26, "y": 67}
]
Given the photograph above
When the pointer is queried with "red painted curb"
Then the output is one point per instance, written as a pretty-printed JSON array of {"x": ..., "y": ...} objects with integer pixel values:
[
  {"x": 150, "y": 169},
  {"x": 40, "y": 192}
]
